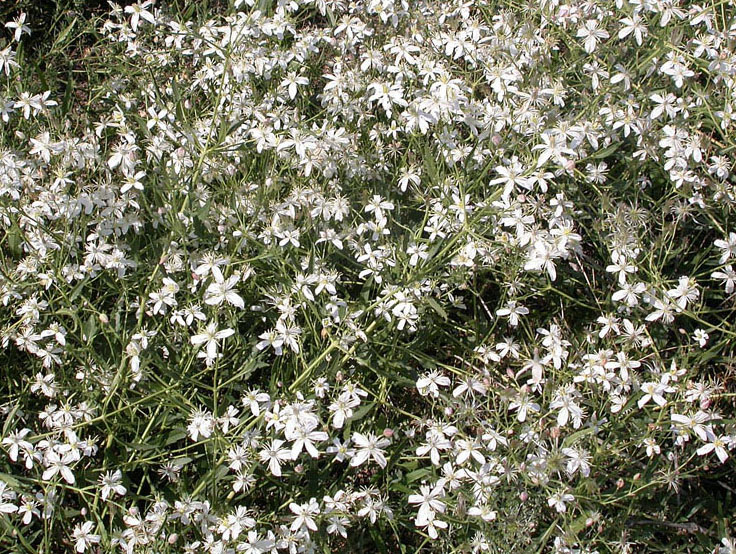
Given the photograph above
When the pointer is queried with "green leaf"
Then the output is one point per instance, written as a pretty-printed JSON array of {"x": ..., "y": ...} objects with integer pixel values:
[
  {"x": 363, "y": 411},
  {"x": 437, "y": 307},
  {"x": 417, "y": 474},
  {"x": 605, "y": 152}
]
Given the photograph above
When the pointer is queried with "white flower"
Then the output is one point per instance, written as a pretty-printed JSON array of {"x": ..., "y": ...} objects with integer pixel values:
[
  {"x": 429, "y": 503},
  {"x": 342, "y": 410},
  {"x": 729, "y": 546},
  {"x": 271, "y": 338},
  {"x": 201, "y": 423},
  {"x": 524, "y": 404},
  {"x": 541, "y": 257},
  {"x": 58, "y": 464},
  {"x": 138, "y": 11},
  {"x": 274, "y": 454},
  {"x": 685, "y": 292},
  {"x": 304, "y": 515},
  {"x": 111, "y": 483},
  {"x": 209, "y": 338},
  {"x": 16, "y": 443},
  {"x": 223, "y": 291},
  {"x": 338, "y": 525},
  {"x": 292, "y": 81},
  {"x": 305, "y": 439},
  {"x": 652, "y": 391},
  {"x": 728, "y": 276},
  {"x": 19, "y": 27},
  {"x": 483, "y": 511},
  {"x": 6, "y": 497},
  {"x": 288, "y": 334},
  {"x": 28, "y": 508},
  {"x": 578, "y": 460},
  {"x": 512, "y": 311},
  {"x": 341, "y": 450},
  {"x": 83, "y": 537},
  {"x": 629, "y": 293},
  {"x": 559, "y": 501},
  {"x": 592, "y": 34},
  {"x": 634, "y": 24},
  {"x": 727, "y": 247},
  {"x": 429, "y": 383},
  {"x": 701, "y": 337},
  {"x": 675, "y": 67},
  {"x": 717, "y": 445},
  {"x": 253, "y": 400},
  {"x": 469, "y": 449},
  {"x": 433, "y": 525},
  {"x": 369, "y": 446}
]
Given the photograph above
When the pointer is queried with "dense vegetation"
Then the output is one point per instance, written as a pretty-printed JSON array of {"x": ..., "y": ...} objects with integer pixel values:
[{"x": 370, "y": 275}]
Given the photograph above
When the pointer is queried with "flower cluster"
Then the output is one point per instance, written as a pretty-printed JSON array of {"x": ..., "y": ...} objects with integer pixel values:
[{"x": 311, "y": 275}]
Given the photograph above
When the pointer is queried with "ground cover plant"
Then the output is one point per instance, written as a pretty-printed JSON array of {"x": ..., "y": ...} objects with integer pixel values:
[{"x": 368, "y": 276}]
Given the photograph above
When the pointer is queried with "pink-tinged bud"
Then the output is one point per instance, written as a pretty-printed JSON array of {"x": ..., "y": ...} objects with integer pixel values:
[
  {"x": 496, "y": 139},
  {"x": 299, "y": 468},
  {"x": 449, "y": 411},
  {"x": 524, "y": 496},
  {"x": 388, "y": 433},
  {"x": 570, "y": 165},
  {"x": 173, "y": 538}
]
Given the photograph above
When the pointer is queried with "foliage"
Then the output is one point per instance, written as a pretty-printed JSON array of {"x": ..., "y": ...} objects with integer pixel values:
[{"x": 380, "y": 275}]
